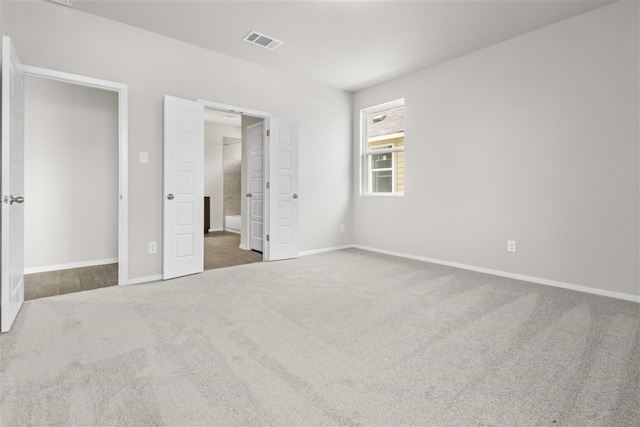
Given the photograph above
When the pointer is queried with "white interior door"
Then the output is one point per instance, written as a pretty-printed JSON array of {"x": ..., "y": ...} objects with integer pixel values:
[
  {"x": 255, "y": 196},
  {"x": 12, "y": 275},
  {"x": 183, "y": 181},
  {"x": 283, "y": 197}
]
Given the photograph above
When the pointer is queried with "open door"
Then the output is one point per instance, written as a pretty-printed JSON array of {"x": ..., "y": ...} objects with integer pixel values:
[
  {"x": 255, "y": 205},
  {"x": 183, "y": 176},
  {"x": 283, "y": 182},
  {"x": 12, "y": 248}
]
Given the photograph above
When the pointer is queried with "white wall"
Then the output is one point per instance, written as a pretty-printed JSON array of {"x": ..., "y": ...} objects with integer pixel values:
[
  {"x": 213, "y": 167},
  {"x": 232, "y": 179},
  {"x": 534, "y": 139},
  {"x": 71, "y": 155},
  {"x": 61, "y": 38}
]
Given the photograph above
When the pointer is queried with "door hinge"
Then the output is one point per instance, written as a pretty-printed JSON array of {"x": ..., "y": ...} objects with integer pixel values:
[
  {"x": 268, "y": 132},
  {"x": 268, "y": 186},
  {"x": 267, "y": 237}
]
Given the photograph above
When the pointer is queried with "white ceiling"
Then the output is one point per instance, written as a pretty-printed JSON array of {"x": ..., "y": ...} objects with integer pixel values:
[
  {"x": 345, "y": 44},
  {"x": 222, "y": 117}
]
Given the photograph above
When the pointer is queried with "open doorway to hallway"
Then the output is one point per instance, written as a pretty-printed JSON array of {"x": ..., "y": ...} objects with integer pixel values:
[{"x": 223, "y": 172}]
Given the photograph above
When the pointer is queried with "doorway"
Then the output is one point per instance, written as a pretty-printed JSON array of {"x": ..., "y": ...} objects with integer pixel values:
[
  {"x": 12, "y": 183},
  {"x": 71, "y": 183},
  {"x": 183, "y": 186},
  {"x": 224, "y": 146}
]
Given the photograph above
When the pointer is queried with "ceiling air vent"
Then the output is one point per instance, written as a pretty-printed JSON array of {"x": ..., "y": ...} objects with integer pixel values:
[{"x": 259, "y": 39}]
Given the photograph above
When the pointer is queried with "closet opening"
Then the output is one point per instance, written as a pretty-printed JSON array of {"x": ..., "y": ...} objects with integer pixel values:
[{"x": 71, "y": 188}]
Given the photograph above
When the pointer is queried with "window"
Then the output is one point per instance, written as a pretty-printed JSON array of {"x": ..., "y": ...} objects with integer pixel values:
[{"x": 383, "y": 149}]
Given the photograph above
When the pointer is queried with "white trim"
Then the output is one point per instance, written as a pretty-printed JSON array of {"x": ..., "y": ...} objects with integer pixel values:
[
  {"x": 123, "y": 151},
  {"x": 396, "y": 194},
  {"x": 123, "y": 180},
  {"x": 244, "y": 247},
  {"x": 146, "y": 279},
  {"x": 72, "y": 78},
  {"x": 330, "y": 249},
  {"x": 68, "y": 266},
  {"x": 548, "y": 282},
  {"x": 384, "y": 151},
  {"x": 232, "y": 230},
  {"x": 233, "y": 109},
  {"x": 216, "y": 229}
]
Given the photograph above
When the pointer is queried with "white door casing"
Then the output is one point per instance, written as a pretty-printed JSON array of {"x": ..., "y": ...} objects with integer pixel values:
[
  {"x": 123, "y": 151},
  {"x": 12, "y": 264},
  {"x": 280, "y": 201},
  {"x": 183, "y": 184},
  {"x": 255, "y": 195},
  {"x": 283, "y": 182}
]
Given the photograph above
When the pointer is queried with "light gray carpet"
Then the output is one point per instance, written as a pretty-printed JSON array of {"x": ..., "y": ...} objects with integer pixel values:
[{"x": 342, "y": 338}]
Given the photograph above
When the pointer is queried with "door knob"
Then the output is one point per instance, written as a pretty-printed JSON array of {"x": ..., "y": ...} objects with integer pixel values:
[
  {"x": 170, "y": 196},
  {"x": 295, "y": 196},
  {"x": 248, "y": 194},
  {"x": 13, "y": 199}
]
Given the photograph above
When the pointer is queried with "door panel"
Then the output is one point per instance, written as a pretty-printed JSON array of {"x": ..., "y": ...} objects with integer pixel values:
[
  {"x": 12, "y": 248},
  {"x": 183, "y": 182},
  {"x": 284, "y": 201},
  {"x": 256, "y": 198}
]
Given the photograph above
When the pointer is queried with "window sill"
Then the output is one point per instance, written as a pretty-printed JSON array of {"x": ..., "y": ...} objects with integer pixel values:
[{"x": 383, "y": 194}]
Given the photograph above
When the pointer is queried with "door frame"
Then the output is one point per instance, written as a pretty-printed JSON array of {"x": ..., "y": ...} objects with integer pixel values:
[
  {"x": 123, "y": 152},
  {"x": 265, "y": 116}
]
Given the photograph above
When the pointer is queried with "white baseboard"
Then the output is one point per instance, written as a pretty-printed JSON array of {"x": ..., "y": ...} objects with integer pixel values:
[
  {"x": 319, "y": 251},
  {"x": 68, "y": 266},
  {"x": 244, "y": 247},
  {"x": 216, "y": 229},
  {"x": 232, "y": 230},
  {"x": 146, "y": 279},
  {"x": 548, "y": 282}
]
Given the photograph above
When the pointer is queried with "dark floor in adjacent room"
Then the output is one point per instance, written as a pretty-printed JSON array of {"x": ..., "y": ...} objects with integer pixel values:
[
  {"x": 222, "y": 249},
  {"x": 50, "y": 283}
]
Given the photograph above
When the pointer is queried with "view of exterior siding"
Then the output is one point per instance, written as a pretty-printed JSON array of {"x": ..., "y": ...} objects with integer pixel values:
[
  {"x": 385, "y": 131},
  {"x": 396, "y": 158}
]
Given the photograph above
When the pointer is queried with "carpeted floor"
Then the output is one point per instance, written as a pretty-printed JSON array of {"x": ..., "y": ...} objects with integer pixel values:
[{"x": 342, "y": 338}]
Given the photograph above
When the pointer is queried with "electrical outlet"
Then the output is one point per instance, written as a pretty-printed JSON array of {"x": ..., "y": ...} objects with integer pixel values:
[
  {"x": 511, "y": 245},
  {"x": 153, "y": 247},
  {"x": 342, "y": 228}
]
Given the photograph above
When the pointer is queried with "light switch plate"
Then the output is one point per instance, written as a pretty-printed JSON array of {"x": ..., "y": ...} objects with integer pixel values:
[{"x": 144, "y": 157}]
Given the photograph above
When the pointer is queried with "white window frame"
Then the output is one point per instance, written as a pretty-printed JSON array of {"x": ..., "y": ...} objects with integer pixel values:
[{"x": 366, "y": 171}]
